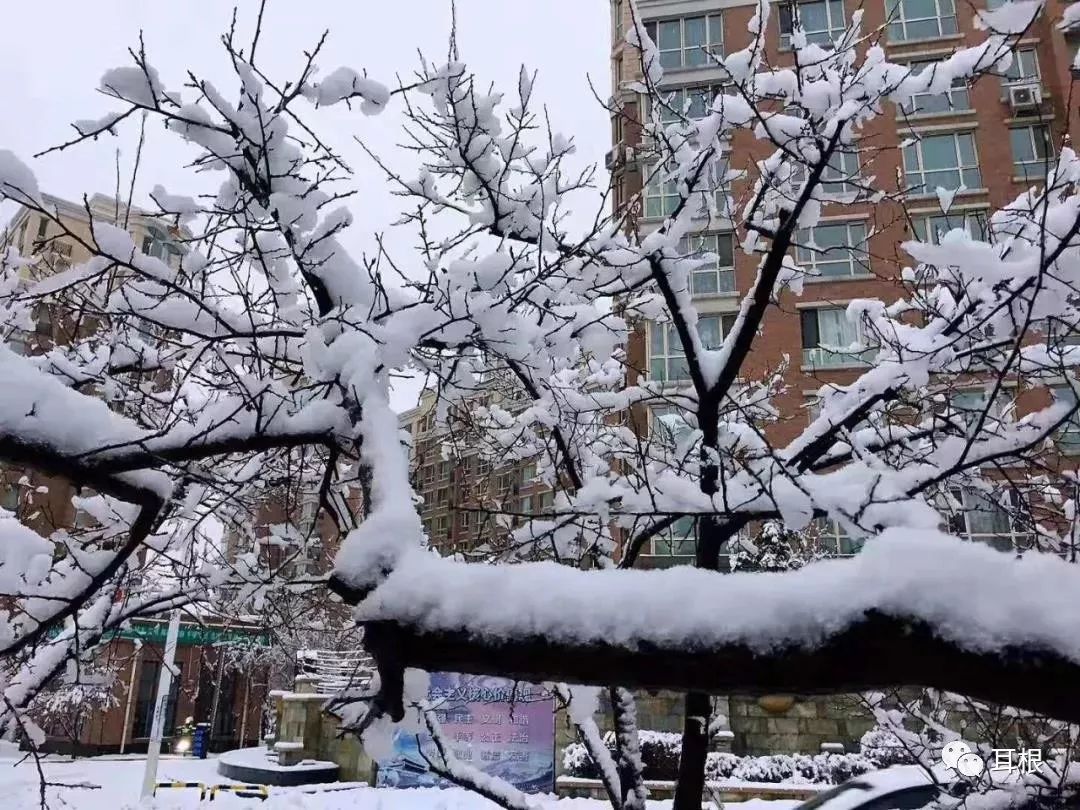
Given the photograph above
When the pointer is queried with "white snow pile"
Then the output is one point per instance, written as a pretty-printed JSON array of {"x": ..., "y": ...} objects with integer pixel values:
[{"x": 956, "y": 587}]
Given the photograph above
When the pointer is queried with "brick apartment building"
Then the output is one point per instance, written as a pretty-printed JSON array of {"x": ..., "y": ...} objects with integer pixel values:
[
  {"x": 993, "y": 137},
  {"x": 119, "y": 716}
]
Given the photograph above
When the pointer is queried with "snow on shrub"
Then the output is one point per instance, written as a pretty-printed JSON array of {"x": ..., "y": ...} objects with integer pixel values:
[
  {"x": 660, "y": 753},
  {"x": 883, "y": 748}
]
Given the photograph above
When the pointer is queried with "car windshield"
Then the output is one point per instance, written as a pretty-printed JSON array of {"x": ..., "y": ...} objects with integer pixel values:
[{"x": 829, "y": 795}]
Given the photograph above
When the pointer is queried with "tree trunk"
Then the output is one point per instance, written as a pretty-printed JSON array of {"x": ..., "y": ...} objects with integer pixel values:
[
  {"x": 627, "y": 748},
  {"x": 695, "y": 746}
]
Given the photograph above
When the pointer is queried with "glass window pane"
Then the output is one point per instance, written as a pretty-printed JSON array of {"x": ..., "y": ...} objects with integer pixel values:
[
  {"x": 709, "y": 330},
  {"x": 670, "y": 36},
  {"x": 919, "y": 9},
  {"x": 703, "y": 282},
  {"x": 922, "y": 29},
  {"x": 694, "y": 32},
  {"x": 813, "y": 16},
  {"x": 671, "y": 59},
  {"x": 938, "y": 152},
  {"x": 725, "y": 249},
  {"x": 656, "y": 340},
  {"x": 911, "y": 158},
  {"x": 1021, "y": 145},
  {"x": 966, "y": 144},
  {"x": 716, "y": 29}
]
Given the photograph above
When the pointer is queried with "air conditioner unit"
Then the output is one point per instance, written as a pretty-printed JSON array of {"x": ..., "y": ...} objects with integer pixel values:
[{"x": 1024, "y": 97}]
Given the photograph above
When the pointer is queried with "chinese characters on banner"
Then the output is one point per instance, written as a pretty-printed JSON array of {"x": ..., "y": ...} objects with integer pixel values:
[{"x": 503, "y": 728}]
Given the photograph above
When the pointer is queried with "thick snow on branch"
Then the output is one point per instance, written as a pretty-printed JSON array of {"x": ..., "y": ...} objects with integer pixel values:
[{"x": 979, "y": 599}]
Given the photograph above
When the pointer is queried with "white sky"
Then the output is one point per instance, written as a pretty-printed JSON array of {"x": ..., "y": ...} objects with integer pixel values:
[{"x": 56, "y": 50}]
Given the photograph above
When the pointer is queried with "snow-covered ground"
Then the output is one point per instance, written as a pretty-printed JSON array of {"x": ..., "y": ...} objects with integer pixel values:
[{"x": 113, "y": 784}]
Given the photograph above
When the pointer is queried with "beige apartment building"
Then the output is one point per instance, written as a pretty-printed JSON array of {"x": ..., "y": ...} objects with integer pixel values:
[
  {"x": 469, "y": 501},
  {"x": 206, "y": 690}
]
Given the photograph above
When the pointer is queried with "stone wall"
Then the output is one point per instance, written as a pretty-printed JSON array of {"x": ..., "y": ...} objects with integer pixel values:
[{"x": 767, "y": 727}]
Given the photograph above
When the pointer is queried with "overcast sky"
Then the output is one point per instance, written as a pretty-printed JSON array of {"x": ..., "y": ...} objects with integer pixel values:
[{"x": 56, "y": 50}]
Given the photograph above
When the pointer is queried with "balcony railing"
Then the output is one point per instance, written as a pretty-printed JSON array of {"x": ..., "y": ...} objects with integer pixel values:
[{"x": 823, "y": 357}]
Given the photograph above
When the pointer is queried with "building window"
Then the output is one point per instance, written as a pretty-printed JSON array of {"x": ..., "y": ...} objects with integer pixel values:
[
  {"x": 678, "y": 541},
  {"x": 616, "y": 20},
  {"x": 693, "y": 103},
  {"x": 975, "y": 515},
  {"x": 1024, "y": 68},
  {"x": 661, "y": 195},
  {"x": 667, "y": 360},
  {"x": 955, "y": 99},
  {"x": 830, "y": 340},
  {"x": 718, "y": 274},
  {"x": 947, "y": 161},
  {"x": 920, "y": 19},
  {"x": 822, "y": 21},
  {"x": 42, "y": 228},
  {"x": 525, "y": 505},
  {"x": 1068, "y": 436},
  {"x": 842, "y": 168},
  {"x": 834, "y": 250},
  {"x": 464, "y": 520},
  {"x": 687, "y": 41},
  {"x": 158, "y": 244},
  {"x": 835, "y": 539},
  {"x": 442, "y": 528},
  {"x": 1032, "y": 151},
  {"x": 931, "y": 229},
  {"x": 967, "y": 408}
]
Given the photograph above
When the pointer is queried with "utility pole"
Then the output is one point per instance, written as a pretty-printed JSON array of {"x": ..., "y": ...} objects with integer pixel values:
[{"x": 153, "y": 751}]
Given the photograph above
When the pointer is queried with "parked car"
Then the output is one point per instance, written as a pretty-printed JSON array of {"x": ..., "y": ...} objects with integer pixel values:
[{"x": 902, "y": 787}]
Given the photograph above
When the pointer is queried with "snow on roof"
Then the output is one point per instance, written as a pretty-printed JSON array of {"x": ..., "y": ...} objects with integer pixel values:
[{"x": 953, "y": 585}]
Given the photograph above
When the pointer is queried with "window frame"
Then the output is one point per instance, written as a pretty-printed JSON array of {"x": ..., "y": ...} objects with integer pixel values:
[
  {"x": 813, "y": 259},
  {"x": 686, "y": 52},
  {"x": 830, "y": 33},
  {"x": 675, "y": 108},
  {"x": 816, "y": 356},
  {"x": 669, "y": 348},
  {"x": 1041, "y": 165},
  {"x": 932, "y": 235},
  {"x": 1001, "y": 541},
  {"x": 835, "y": 539},
  {"x": 835, "y": 179},
  {"x": 1021, "y": 77},
  {"x": 951, "y": 107},
  {"x": 1067, "y": 437},
  {"x": 722, "y": 273},
  {"x": 968, "y": 174},
  {"x": 898, "y": 22}
]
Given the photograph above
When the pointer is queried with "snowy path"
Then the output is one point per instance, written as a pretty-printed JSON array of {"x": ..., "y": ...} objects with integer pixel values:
[{"x": 113, "y": 784}]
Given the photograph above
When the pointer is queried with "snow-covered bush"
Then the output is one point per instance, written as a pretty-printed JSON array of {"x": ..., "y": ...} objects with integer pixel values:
[
  {"x": 884, "y": 748},
  {"x": 661, "y": 763}
]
